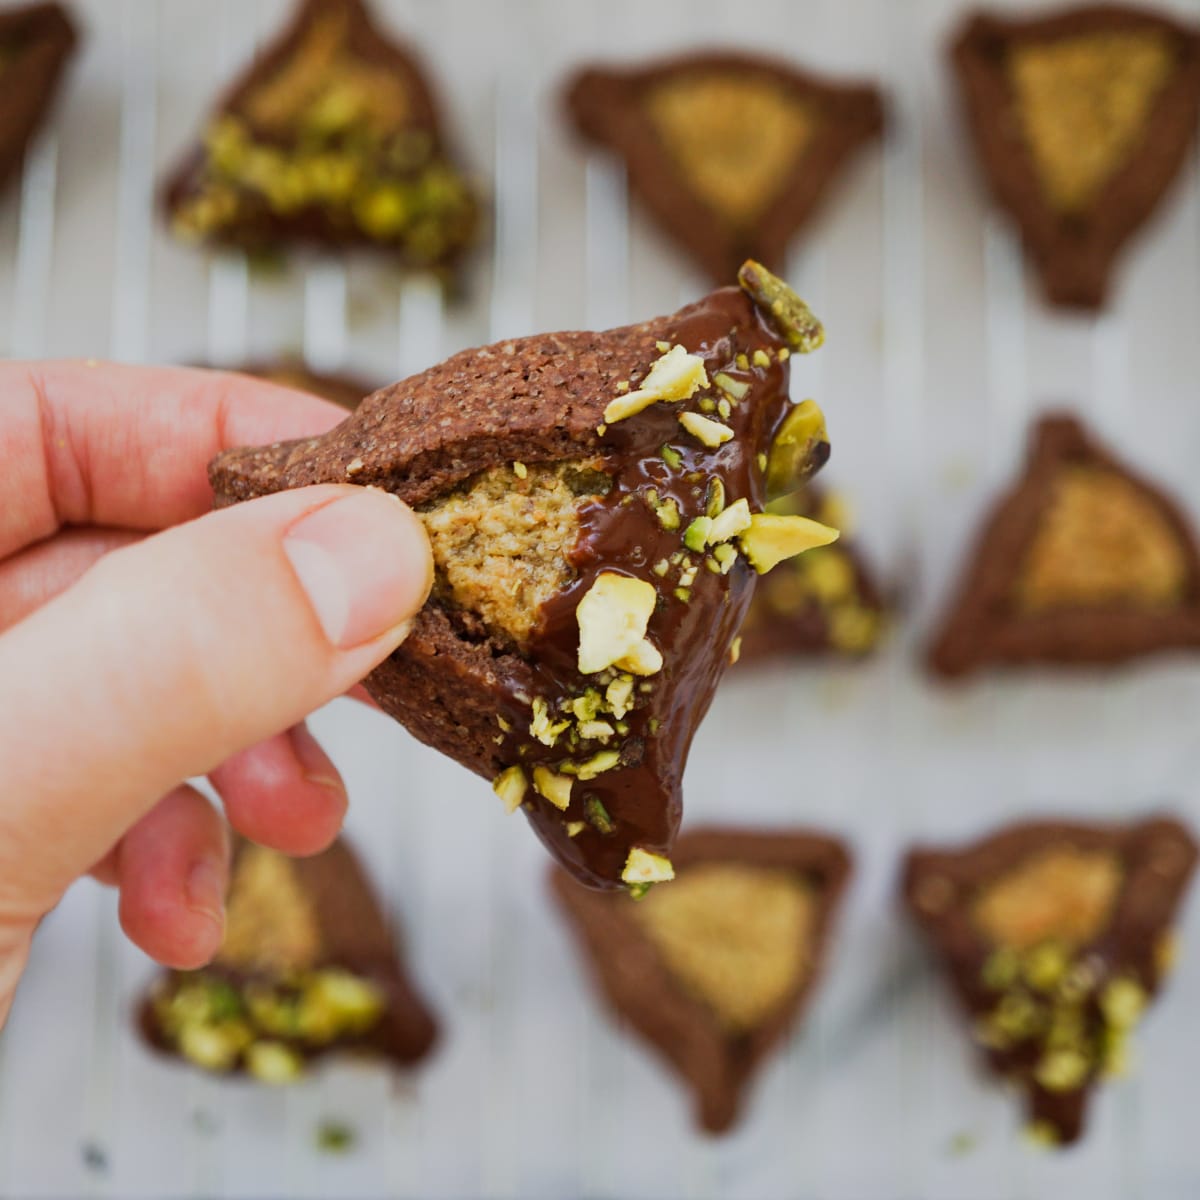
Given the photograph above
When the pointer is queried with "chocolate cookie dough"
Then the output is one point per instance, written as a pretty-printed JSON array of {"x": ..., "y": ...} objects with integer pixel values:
[
  {"x": 1081, "y": 120},
  {"x": 332, "y": 139},
  {"x": 36, "y": 43},
  {"x": 595, "y": 503},
  {"x": 1056, "y": 938},
  {"x": 346, "y": 390},
  {"x": 716, "y": 969},
  {"x": 308, "y": 966},
  {"x": 824, "y": 602},
  {"x": 731, "y": 152},
  {"x": 1083, "y": 562}
]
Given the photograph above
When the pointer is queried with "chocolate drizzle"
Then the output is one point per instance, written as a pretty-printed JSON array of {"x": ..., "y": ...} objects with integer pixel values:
[{"x": 621, "y": 532}]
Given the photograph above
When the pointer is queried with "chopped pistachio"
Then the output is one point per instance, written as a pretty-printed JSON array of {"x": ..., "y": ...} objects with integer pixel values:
[
  {"x": 541, "y": 727},
  {"x": 653, "y": 725},
  {"x": 587, "y": 706},
  {"x": 1001, "y": 969},
  {"x": 677, "y": 375},
  {"x": 668, "y": 515},
  {"x": 208, "y": 1046},
  {"x": 743, "y": 363},
  {"x": 735, "y": 389},
  {"x": 672, "y": 457},
  {"x": 1122, "y": 1002},
  {"x": 596, "y": 731},
  {"x": 503, "y": 724},
  {"x": 784, "y": 354},
  {"x": 688, "y": 577},
  {"x": 735, "y": 650},
  {"x": 644, "y": 866},
  {"x": 1045, "y": 966},
  {"x": 598, "y": 764},
  {"x": 1062, "y": 1070},
  {"x": 791, "y": 451},
  {"x": 661, "y": 567},
  {"x": 597, "y": 815},
  {"x": 790, "y": 315},
  {"x": 761, "y": 358},
  {"x": 714, "y": 498},
  {"x": 726, "y": 556},
  {"x": 554, "y": 787},
  {"x": 623, "y": 386},
  {"x": 618, "y": 696},
  {"x": 761, "y": 459},
  {"x": 683, "y": 594},
  {"x": 613, "y": 617},
  {"x": 273, "y": 1062},
  {"x": 734, "y": 520},
  {"x": 575, "y": 828},
  {"x": 1041, "y": 1134},
  {"x": 724, "y": 409},
  {"x": 695, "y": 537},
  {"x": 706, "y": 404},
  {"x": 333, "y": 1137},
  {"x": 711, "y": 564},
  {"x": 771, "y": 538},
  {"x": 662, "y": 347},
  {"x": 710, "y": 433},
  {"x": 510, "y": 785},
  {"x": 520, "y": 470}
]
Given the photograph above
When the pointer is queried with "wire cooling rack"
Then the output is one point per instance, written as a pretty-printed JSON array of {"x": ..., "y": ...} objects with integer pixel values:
[{"x": 939, "y": 352}]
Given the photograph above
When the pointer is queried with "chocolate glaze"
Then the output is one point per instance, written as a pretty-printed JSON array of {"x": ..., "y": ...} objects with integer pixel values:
[
  {"x": 1157, "y": 857},
  {"x": 621, "y": 533}
]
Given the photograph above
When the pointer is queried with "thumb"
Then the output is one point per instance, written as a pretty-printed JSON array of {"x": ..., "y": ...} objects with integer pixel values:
[{"x": 173, "y": 654}]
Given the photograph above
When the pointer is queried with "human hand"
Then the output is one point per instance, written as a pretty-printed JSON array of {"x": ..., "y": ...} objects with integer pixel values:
[{"x": 133, "y": 659}]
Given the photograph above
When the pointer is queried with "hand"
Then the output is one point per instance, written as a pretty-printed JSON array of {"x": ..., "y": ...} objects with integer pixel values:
[{"x": 133, "y": 659}]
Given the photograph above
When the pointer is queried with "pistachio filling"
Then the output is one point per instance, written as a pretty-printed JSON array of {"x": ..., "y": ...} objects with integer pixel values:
[
  {"x": 736, "y": 137},
  {"x": 737, "y": 938},
  {"x": 1102, "y": 541},
  {"x": 1083, "y": 103},
  {"x": 333, "y": 133},
  {"x": 264, "y": 1026}
]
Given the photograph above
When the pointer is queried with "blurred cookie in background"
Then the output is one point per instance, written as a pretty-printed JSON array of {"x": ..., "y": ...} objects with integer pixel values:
[
  {"x": 825, "y": 602},
  {"x": 1056, "y": 937},
  {"x": 1082, "y": 562},
  {"x": 346, "y": 390},
  {"x": 332, "y": 139},
  {"x": 1081, "y": 120},
  {"x": 308, "y": 966},
  {"x": 36, "y": 43},
  {"x": 731, "y": 152},
  {"x": 714, "y": 968}
]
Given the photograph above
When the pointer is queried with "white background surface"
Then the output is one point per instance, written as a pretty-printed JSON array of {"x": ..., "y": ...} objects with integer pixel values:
[{"x": 939, "y": 351}]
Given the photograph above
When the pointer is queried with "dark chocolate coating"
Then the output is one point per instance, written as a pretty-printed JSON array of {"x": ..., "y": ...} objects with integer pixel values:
[
  {"x": 542, "y": 399},
  {"x": 983, "y": 627},
  {"x": 1074, "y": 255},
  {"x": 309, "y": 226},
  {"x": 635, "y": 982},
  {"x": 1158, "y": 857},
  {"x": 605, "y": 105},
  {"x": 354, "y": 935},
  {"x": 37, "y": 41}
]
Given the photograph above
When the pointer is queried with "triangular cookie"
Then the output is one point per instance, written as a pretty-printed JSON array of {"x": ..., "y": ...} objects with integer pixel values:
[
  {"x": 1055, "y": 937},
  {"x": 823, "y": 602},
  {"x": 308, "y": 966},
  {"x": 1081, "y": 562},
  {"x": 332, "y": 139},
  {"x": 595, "y": 503},
  {"x": 35, "y": 44},
  {"x": 715, "y": 969},
  {"x": 346, "y": 390},
  {"x": 1081, "y": 121},
  {"x": 731, "y": 152}
]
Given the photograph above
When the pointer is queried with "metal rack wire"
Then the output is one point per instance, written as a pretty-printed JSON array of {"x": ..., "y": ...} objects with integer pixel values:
[{"x": 938, "y": 355}]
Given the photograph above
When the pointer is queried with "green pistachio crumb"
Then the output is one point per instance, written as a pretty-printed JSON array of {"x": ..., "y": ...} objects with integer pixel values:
[{"x": 672, "y": 457}]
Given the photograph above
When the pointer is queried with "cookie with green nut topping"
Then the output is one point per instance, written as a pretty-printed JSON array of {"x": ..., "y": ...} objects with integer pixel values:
[
  {"x": 308, "y": 966},
  {"x": 332, "y": 139},
  {"x": 596, "y": 505},
  {"x": 1056, "y": 937},
  {"x": 714, "y": 970}
]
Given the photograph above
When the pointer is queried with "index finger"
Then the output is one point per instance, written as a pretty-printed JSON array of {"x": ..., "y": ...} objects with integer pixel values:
[{"x": 128, "y": 447}]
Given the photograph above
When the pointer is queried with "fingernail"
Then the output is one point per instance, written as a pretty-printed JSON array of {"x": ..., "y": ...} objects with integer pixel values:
[
  {"x": 206, "y": 889},
  {"x": 315, "y": 762},
  {"x": 365, "y": 564}
]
